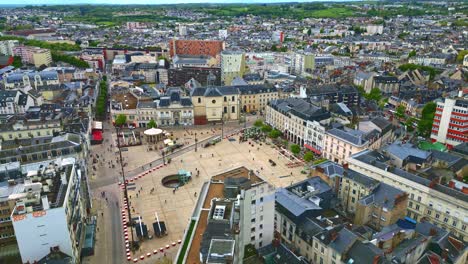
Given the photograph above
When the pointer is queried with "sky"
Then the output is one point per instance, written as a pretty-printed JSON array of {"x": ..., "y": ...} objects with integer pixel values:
[{"x": 123, "y": 2}]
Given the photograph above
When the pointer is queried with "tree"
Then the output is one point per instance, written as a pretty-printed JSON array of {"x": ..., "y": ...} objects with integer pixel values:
[
  {"x": 258, "y": 123},
  {"x": 274, "y": 48},
  {"x": 412, "y": 54},
  {"x": 400, "y": 111},
  {"x": 427, "y": 118},
  {"x": 120, "y": 120},
  {"x": 57, "y": 56},
  {"x": 308, "y": 156},
  {"x": 295, "y": 149},
  {"x": 17, "y": 63},
  {"x": 409, "y": 124},
  {"x": 375, "y": 94},
  {"x": 309, "y": 32},
  {"x": 151, "y": 124},
  {"x": 461, "y": 55},
  {"x": 266, "y": 128},
  {"x": 275, "y": 133}
]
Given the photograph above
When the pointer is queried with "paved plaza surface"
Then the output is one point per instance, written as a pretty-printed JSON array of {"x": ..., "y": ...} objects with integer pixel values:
[{"x": 176, "y": 208}]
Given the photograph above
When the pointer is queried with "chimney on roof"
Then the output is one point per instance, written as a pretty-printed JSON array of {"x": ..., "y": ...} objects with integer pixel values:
[
  {"x": 452, "y": 184},
  {"x": 433, "y": 232},
  {"x": 334, "y": 235},
  {"x": 345, "y": 166},
  {"x": 444, "y": 254},
  {"x": 465, "y": 190},
  {"x": 376, "y": 259},
  {"x": 45, "y": 202}
]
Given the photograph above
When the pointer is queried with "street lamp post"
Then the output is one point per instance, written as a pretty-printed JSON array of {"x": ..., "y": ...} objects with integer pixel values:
[
  {"x": 222, "y": 126},
  {"x": 125, "y": 186}
]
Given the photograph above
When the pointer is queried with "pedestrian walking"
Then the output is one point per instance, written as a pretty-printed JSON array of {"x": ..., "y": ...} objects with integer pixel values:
[{"x": 195, "y": 195}]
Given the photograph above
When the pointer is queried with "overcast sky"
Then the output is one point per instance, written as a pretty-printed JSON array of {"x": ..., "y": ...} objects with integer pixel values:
[{"x": 64, "y": 2}]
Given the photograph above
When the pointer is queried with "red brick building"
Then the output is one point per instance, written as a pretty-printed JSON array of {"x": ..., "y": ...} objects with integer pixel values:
[{"x": 195, "y": 47}]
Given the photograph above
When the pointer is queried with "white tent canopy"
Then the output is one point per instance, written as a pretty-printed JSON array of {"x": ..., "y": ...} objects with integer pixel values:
[{"x": 153, "y": 132}]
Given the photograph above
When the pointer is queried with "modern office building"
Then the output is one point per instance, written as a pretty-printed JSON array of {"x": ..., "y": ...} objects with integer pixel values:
[
  {"x": 232, "y": 66},
  {"x": 50, "y": 212},
  {"x": 236, "y": 209},
  {"x": 450, "y": 125}
]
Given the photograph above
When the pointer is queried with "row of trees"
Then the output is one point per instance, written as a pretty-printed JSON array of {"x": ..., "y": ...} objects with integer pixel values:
[
  {"x": 101, "y": 103},
  {"x": 275, "y": 133},
  {"x": 72, "y": 60},
  {"x": 43, "y": 44}
]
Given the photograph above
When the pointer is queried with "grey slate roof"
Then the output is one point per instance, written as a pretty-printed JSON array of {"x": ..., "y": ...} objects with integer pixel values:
[
  {"x": 362, "y": 252},
  {"x": 348, "y": 136},
  {"x": 300, "y": 108},
  {"x": 407, "y": 150},
  {"x": 375, "y": 159},
  {"x": 296, "y": 205},
  {"x": 383, "y": 195}
]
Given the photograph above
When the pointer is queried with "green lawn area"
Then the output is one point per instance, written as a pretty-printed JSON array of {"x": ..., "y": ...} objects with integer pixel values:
[
  {"x": 333, "y": 12},
  {"x": 180, "y": 260},
  {"x": 425, "y": 145}
]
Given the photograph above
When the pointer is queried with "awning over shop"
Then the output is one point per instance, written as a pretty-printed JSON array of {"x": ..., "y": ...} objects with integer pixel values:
[
  {"x": 97, "y": 135},
  {"x": 316, "y": 151}
]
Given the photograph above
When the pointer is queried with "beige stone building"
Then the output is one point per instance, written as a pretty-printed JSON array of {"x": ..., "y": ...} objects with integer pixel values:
[
  {"x": 215, "y": 104},
  {"x": 371, "y": 202},
  {"x": 256, "y": 97},
  {"x": 445, "y": 206},
  {"x": 339, "y": 144},
  {"x": 290, "y": 116}
]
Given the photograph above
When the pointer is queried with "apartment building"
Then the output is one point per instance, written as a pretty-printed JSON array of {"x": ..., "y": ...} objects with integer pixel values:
[
  {"x": 434, "y": 59},
  {"x": 297, "y": 203},
  {"x": 14, "y": 102},
  {"x": 236, "y": 209},
  {"x": 151, "y": 72},
  {"x": 302, "y": 64},
  {"x": 429, "y": 199},
  {"x": 301, "y": 226},
  {"x": 334, "y": 93},
  {"x": 339, "y": 144},
  {"x": 232, "y": 66},
  {"x": 50, "y": 213},
  {"x": 33, "y": 55},
  {"x": 215, "y": 104},
  {"x": 386, "y": 84},
  {"x": 20, "y": 129},
  {"x": 7, "y": 47},
  {"x": 256, "y": 97},
  {"x": 290, "y": 116},
  {"x": 30, "y": 78},
  {"x": 205, "y": 76},
  {"x": 371, "y": 202},
  {"x": 68, "y": 145},
  {"x": 450, "y": 125}
]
